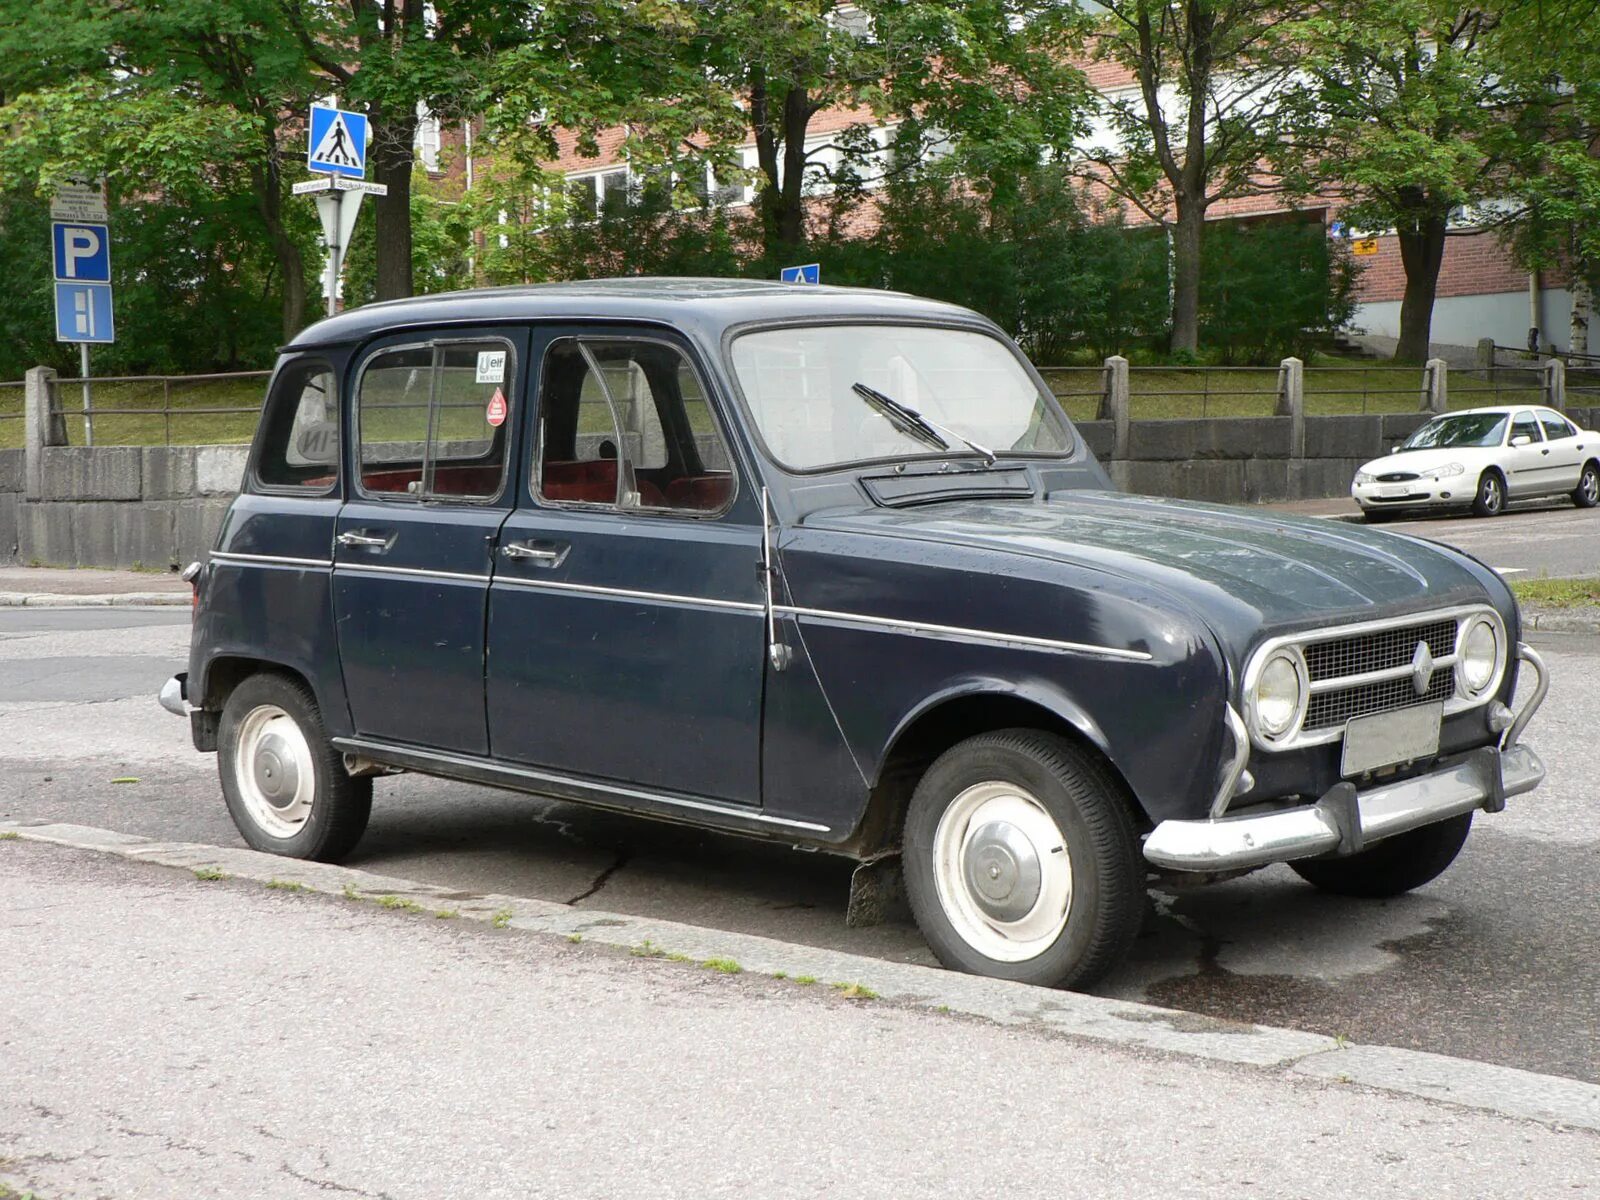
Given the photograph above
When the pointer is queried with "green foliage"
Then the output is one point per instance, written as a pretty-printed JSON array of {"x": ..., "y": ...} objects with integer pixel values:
[
  {"x": 1271, "y": 289},
  {"x": 441, "y": 244}
]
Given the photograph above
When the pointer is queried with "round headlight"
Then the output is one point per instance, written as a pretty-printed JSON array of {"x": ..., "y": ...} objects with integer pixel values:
[
  {"x": 1277, "y": 695},
  {"x": 1480, "y": 655}
]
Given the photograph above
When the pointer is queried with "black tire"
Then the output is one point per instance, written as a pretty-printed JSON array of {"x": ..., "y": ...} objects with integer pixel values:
[
  {"x": 1392, "y": 867},
  {"x": 338, "y": 805},
  {"x": 1376, "y": 516},
  {"x": 1587, "y": 493},
  {"x": 1093, "y": 815},
  {"x": 1490, "y": 500}
]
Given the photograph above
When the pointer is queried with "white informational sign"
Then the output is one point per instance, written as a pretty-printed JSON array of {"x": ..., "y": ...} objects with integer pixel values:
[
  {"x": 81, "y": 201},
  {"x": 491, "y": 366}
]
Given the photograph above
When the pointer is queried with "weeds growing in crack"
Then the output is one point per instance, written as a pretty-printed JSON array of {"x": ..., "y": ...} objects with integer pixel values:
[{"x": 209, "y": 873}]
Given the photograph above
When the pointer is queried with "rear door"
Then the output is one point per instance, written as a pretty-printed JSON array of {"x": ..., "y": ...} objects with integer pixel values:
[
  {"x": 434, "y": 434},
  {"x": 1563, "y": 451},
  {"x": 626, "y": 617}
]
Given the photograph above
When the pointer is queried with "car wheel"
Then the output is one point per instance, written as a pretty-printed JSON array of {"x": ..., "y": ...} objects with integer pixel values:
[
  {"x": 1587, "y": 493},
  {"x": 1491, "y": 498},
  {"x": 286, "y": 787},
  {"x": 1392, "y": 867},
  {"x": 1022, "y": 862},
  {"x": 1376, "y": 516}
]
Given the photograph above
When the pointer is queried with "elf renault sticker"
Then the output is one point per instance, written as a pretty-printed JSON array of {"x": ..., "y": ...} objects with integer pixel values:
[{"x": 492, "y": 367}]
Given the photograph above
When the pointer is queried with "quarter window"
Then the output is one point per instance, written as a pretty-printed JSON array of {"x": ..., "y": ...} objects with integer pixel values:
[
  {"x": 299, "y": 438},
  {"x": 434, "y": 420},
  {"x": 626, "y": 423}
]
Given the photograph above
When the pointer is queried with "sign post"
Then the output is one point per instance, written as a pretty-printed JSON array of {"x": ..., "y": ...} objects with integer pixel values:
[
  {"x": 337, "y": 149},
  {"x": 80, "y": 248}
]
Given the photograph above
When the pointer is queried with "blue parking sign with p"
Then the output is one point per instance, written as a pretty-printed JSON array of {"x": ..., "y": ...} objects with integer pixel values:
[{"x": 82, "y": 252}]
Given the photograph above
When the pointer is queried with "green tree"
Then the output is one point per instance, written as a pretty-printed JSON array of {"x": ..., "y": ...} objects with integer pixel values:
[
  {"x": 1206, "y": 114},
  {"x": 1405, "y": 112}
]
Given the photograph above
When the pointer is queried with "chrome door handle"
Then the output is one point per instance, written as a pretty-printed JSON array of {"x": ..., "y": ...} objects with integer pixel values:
[
  {"x": 362, "y": 538},
  {"x": 541, "y": 554}
]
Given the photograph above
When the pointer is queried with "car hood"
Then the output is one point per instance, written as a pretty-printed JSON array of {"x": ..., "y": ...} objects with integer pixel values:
[
  {"x": 1247, "y": 573},
  {"x": 1418, "y": 461}
]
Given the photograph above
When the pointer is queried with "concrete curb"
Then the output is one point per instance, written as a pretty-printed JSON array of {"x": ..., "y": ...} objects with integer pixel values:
[
  {"x": 1503, "y": 1091},
  {"x": 1560, "y": 620},
  {"x": 97, "y": 600}
]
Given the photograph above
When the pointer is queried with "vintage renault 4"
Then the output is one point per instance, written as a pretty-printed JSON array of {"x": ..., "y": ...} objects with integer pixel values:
[{"x": 830, "y": 567}]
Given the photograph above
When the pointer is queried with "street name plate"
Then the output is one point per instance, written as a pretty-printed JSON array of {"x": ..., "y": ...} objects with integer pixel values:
[{"x": 1385, "y": 739}]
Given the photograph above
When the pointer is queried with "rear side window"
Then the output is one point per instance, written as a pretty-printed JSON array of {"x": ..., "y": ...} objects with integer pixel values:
[
  {"x": 298, "y": 444},
  {"x": 1555, "y": 425},
  {"x": 435, "y": 420}
]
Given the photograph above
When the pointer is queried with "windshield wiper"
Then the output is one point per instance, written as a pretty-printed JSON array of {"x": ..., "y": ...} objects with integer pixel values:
[{"x": 912, "y": 423}]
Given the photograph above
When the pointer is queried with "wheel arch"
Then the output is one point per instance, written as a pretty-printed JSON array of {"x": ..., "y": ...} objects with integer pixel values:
[
  {"x": 952, "y": 716},
  {"x": 226, "y": 672}
]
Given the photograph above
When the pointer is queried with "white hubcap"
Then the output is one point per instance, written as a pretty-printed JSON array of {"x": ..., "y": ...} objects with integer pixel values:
[
  {"x": 274, "y": 772},
  {"x": 1002, "y": 871}
]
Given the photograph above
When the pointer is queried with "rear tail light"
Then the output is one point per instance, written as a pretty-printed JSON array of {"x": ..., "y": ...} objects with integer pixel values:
[{"x": 191, "y": 576}]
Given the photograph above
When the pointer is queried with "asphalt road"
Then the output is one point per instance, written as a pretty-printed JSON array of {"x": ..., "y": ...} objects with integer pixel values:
[
  {"x": 1495, "y": 961},
  {"x": 1541, "y": 538}
]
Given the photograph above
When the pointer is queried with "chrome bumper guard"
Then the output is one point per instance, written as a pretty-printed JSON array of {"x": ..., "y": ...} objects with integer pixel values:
[
  {"x": 174, "y": 695},
  {"x": 1345, "y": 820}
]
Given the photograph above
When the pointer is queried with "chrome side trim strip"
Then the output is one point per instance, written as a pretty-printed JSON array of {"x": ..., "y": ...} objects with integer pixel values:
[
  {"x": 381, "y": 750},
  {"x": 628, "y": 593},
  {"x": 277, "y": 560},
  {"x": 417, "y": 572},
  {"x": 896, "y": 625}
]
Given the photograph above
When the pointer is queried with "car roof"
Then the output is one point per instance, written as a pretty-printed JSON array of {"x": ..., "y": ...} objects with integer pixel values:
[
  {"x": 1499, "y": 409},
  {"x": 708, "y": 305}
]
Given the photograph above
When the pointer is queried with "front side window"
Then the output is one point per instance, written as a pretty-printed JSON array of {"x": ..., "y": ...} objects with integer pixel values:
[
  {"x": 826, "y": 396},
  {"x": 434, "y": 420},
  {"x": 299, "y": 437},
  {"x": 1525, "y": 427},
  {"x": 625, "y": 422}
]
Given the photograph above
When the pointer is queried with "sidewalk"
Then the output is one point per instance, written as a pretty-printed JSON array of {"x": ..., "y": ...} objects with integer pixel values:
[
  {"x": 61, "y": 587},
  {"x": 169, "y": 1035}
]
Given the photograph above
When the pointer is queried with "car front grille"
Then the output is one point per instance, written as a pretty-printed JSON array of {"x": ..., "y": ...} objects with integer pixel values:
[
  {"x": 1398, "y": 477},
  {"x": 1364, "y": 669}
]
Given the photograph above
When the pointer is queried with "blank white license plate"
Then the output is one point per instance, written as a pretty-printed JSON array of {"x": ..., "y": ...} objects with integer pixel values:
[
  {"x": 1394, "y": 490},
  {"x": 1385, "y": 739}
]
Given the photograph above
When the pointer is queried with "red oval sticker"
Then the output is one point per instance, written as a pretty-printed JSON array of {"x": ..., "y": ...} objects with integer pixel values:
[{"x": 496, "y": 414}]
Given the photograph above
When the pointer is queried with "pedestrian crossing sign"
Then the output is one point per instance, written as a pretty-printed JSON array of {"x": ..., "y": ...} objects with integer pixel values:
[{"x": 338, "y": 142}]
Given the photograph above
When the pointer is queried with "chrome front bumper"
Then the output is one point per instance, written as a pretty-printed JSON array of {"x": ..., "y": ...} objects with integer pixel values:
[
  {"x": 174, "y": 695},
  {"x": 1345, "y": 819}
]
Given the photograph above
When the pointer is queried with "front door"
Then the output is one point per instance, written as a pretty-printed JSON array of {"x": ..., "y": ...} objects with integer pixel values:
[
  {"x": 1527, "y": 463},
  {"x": 434, "y": 421},
  {"x": 625, "y": 618}
]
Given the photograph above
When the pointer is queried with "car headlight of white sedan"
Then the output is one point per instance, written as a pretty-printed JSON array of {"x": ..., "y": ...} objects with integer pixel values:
[
  {"x": 1448, "y": 471},
  {"x": 1364, "y": 477}
]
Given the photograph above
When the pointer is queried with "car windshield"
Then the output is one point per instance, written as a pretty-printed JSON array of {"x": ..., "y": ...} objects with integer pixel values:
[
  {"x": 810, "y": 391},
  {"x": 1463, "y": 429}
]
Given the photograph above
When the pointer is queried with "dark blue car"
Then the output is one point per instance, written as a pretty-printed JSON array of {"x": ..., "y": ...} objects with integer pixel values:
[{"x": 828, "y": 567}]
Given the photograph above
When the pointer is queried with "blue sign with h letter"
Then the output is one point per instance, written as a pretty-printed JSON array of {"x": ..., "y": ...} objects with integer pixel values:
[
  {"x": 82, "y": 252},
  {"x": 83, "y": 313}
]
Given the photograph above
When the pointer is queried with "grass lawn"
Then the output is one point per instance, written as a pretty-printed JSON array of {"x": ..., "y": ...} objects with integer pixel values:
[{"x": 1558, "y": 593}]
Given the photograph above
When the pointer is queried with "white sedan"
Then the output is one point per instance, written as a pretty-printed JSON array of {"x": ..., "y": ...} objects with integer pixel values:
[{"x": 1481, "y": 458}]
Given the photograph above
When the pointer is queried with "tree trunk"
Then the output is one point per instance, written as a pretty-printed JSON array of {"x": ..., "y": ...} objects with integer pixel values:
[
  {"x": 264, "y": 178},
  {"x": 1187, "y": 236},
  {"x": 1582, "y": 308},
  {"x": 392, "y": 155},
  {"x": 1421, "y": 252}
]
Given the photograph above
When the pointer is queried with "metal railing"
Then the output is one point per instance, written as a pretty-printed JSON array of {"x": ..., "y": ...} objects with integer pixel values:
[
  {"x": 12, "y": 414},
  {"x": 1079, "y": 389},
  {"x": 1341, "y": 390},
  {"x": 1217, "y": 391},
  {"x": 196, "y": 408}
]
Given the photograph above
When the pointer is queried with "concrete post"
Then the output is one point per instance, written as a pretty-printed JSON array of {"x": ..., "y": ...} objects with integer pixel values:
[
  {"x": 43, "y": 425},
  {"x": 1292, "y": 404},
  {"x": 1486, "y": 357},
  {"x": 1114, "y": 404},
  {"x": 1436, "y": 386},
  {"x": 1554, "y": 384}
]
